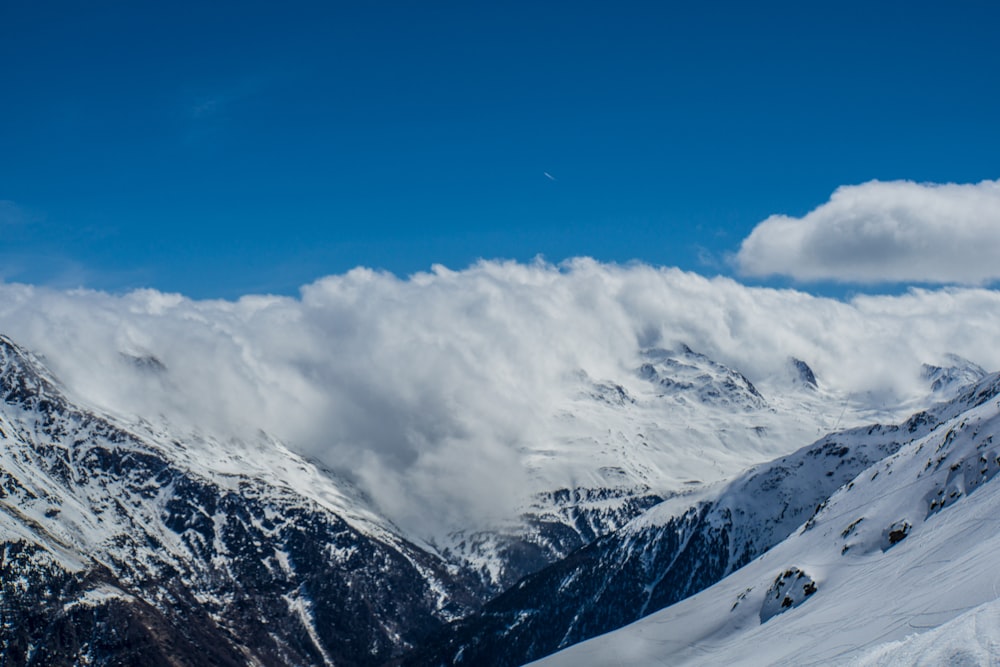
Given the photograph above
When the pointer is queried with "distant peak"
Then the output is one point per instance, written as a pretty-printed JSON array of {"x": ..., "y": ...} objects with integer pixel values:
[
  {"x": 12, "y": 354},
  {"x": 144, "y": 362},
  {"x": 803, "y": 373},
  {"x": 956, "y": 372},
  {"x": 685, "y": 372}
]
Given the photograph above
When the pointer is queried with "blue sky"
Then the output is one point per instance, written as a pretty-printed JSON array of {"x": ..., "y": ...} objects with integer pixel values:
[{"x": 251, "y": 147}]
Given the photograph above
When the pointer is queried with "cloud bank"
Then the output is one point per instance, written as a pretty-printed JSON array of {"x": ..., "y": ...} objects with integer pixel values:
[
  {"x": 897, "y": 231},
  {"x": 426, "y": 388}
]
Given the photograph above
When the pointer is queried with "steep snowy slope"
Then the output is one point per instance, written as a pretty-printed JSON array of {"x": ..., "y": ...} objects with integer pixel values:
[
  {"x": 120, "y": 545},
  {"x": 907, "y": 546}
]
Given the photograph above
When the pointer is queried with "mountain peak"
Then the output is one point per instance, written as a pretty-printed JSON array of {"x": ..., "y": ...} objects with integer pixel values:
[
  {"x": 955, "y": 373},
  {"x": 8, "y": 346},
  {"x": 24, "y": 380},
  {"x": 684, "y": 373},
  {"x": 803, "y": 373}
]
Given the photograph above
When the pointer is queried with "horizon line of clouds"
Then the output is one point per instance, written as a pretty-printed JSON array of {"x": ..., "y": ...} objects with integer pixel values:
[{"x": 884, "y": 232}]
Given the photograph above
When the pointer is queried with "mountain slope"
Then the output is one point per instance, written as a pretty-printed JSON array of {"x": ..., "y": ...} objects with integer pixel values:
[
  {"x": 119, "y": 546},
  {"x": 907, "y": 546}
]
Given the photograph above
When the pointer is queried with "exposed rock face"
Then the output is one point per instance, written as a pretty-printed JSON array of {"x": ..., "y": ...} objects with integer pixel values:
[
  {"x": 804, "y": 374},
  {"x": 790, "y": 589},
  {"x": 896, "y": 533}
]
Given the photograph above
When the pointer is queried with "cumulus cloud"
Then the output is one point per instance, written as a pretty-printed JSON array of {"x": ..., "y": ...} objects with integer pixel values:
[
  {"x": 897, "y": 231},
  {"x": 427, "y": 389}
]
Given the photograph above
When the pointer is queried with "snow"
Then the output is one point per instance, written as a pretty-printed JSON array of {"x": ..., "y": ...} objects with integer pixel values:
[
  {"x": 300, "y": 606},
  {"x": 98, "y": 596},
  {"x": 970, "y": 639}
]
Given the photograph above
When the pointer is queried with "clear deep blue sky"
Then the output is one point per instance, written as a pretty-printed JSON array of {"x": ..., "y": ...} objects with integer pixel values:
[{"x": 220, "y": 148}]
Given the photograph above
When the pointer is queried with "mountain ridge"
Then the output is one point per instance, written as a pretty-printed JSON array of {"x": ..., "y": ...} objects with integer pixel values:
[{"x": 102, "y": 523}]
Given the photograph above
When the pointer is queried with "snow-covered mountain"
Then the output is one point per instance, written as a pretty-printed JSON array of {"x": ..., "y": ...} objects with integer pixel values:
[
  {"x": 672, "y": 551},
  {"x": 127, "y": 546},
  {"x": 615, "y": 447},
  {"x": 128, "y": 536},
  {"x": 896, "y": 566},
  {"x": 948, "y": 380}
]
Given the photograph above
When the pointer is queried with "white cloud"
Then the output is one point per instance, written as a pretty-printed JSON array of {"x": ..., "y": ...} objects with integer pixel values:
[
  {"x": 426, "y": 388},
  {"x": 897, "y": 231}
]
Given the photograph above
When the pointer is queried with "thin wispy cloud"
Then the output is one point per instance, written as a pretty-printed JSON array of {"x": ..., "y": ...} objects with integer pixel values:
[
  {"x": 708, "y": 259},
  {"x": 880, "y": 232}
]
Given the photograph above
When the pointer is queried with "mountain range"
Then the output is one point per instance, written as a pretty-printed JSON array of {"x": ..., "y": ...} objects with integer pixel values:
[{"x": 684, "y": 509}]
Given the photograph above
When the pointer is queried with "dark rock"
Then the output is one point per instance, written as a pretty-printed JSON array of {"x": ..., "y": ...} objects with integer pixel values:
[
  {"x": 790, "y": 589},
  {"x": 803, "y": 373}
]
